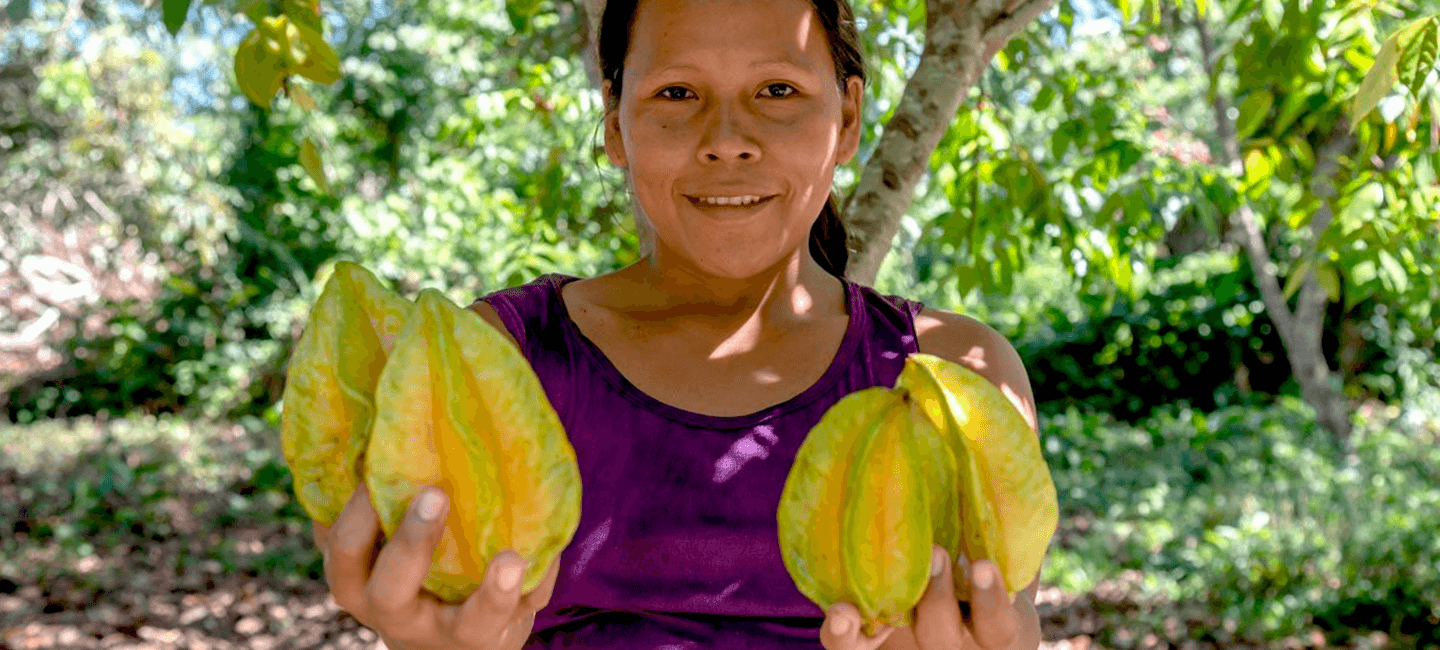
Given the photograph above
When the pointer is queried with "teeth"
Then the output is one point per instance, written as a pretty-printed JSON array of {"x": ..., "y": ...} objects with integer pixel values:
[{"x": 728, "y": 200}]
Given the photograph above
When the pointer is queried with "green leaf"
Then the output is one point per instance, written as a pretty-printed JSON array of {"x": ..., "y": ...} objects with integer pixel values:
[
  {"x": 520, "y": 12},
  {"x": 1257, "y": 172},
  {"x": 1253, "y": 112},
  {"x": 175, "y": 12},
  {"x": 1329, "y": 280},
  {"x": 1125, "y": 9},
  {"x": 1123, "y": 275},
  {"x": 1043, "y": 99},
  {"x": 259, "y": 69},
  {"x": 1300, "y": 215},
  {"x": 1303, "y": 153},
  {"x": 18, "y": 10},
  {"x": 1297, "y": 276},
  {"x": 1225, "y": 291},
  {"x": 1060, "y": 143},
  {"x": 303, "y": 12},
  {"x": 1362, "y": 280},
  {"x": 1200, "y": 7},
  {"x": 315, "y": 59},
  {"x": 1417, "y": 56},
  {"x": 310, "y": 160},
  {"x": 1394, "y": 273},
  {"x": 1382, "y": 74},
  {"x": 255, "y": 10},
  {"x": 1273, "y": 11},
  {"x": 1106, "y": 216},
  {"x": 1005, "y": 279}
]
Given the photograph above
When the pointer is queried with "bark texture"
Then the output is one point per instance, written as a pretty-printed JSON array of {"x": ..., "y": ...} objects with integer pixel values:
[
  {"x": 1300, "y": 330},
  {"x": 960, "y": 40}
]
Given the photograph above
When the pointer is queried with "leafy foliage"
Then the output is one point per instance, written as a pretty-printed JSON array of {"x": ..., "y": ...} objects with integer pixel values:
[{"x": 1230, "y": 509}]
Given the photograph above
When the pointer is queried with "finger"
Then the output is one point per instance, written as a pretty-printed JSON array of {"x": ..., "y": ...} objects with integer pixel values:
[
  {"x": 494, "y": 608},
  {"x": 841, "y": 630},
  {"x": 320, "y": 531},
  {"x": 539, "y": 598},
  {"x": 349, "y": 551},
  {"x": 937, "y": 615},
  {"x": 993, "y": 621},
  {"x": 394, "y": 588}
]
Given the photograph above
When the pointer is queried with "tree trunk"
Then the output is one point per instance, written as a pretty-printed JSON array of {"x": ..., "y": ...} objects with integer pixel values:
[
  {"x": 591, "y": 11},
  {"x": 960, "y": 40},
  {"x": 1300, "y": 331}
]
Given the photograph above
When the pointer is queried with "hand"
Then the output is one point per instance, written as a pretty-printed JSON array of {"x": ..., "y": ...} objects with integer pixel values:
[
  {"x": 383, "y": 592},
  {"x": 994, "y": 622}
]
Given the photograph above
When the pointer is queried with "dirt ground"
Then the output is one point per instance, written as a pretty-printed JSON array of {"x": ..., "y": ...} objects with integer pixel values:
[{"x": 233, "y": 613}]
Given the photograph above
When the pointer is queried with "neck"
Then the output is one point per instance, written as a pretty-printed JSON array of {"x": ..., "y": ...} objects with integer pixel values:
[{"x": 793, "y": 292}]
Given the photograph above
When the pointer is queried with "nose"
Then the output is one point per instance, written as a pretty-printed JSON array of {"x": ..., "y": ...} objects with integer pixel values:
[{"x": 726, "y": 137}]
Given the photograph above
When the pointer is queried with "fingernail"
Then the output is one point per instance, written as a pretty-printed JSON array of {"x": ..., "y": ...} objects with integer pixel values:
[
  {"x": 984, "y": 578},
  {"x": 937, "y": 561},
  {"x": 839, "y": 625},
  {"x": 429, "y": 506},
  {"x": 510, "y": 575}
]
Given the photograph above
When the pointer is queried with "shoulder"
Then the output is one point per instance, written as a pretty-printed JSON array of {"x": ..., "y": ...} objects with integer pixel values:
[
  {"x": 523, "y": 302},
  {"x": 489, "y": 315},
  {"x": 977, "y": 346}
]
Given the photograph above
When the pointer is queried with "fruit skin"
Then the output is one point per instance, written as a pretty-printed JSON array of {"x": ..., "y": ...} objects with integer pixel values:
[
  {"x": 1008, "y": 505},
  {"x": 330, "y": 387},
  {"x": 458, "y": 407},
  {"x": 942, "y": 458},
  {"x": 854, "y": 516}
]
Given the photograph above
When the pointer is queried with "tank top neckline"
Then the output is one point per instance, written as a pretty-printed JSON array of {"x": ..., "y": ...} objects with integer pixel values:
[{"x": 849, "y": 345}]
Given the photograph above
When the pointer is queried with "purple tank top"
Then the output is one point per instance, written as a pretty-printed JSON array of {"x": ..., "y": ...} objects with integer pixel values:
[{"x": 677, "y": 546}]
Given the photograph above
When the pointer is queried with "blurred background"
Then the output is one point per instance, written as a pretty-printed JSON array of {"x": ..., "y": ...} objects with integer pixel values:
[{"x": 161, "y": 243}]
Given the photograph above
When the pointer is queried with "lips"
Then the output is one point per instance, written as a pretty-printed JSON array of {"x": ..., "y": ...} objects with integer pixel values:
[{"x": 730, "y": 200}]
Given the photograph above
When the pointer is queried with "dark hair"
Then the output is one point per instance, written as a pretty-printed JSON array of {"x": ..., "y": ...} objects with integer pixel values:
[{"x": 828, "y": 240}]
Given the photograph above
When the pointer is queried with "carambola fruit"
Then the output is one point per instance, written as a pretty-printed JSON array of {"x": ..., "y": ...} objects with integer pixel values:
[
  {"x": 459, "y": 407},
  {"x": 330, "y": 387},
  {"x": 1007, "y": 503},
  {"x": 402, "y": 395},
  {"x": 942, "y": 458}
]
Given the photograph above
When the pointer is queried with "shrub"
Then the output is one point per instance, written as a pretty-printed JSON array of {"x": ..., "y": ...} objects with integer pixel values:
[{"x": 1258, "y": 514}]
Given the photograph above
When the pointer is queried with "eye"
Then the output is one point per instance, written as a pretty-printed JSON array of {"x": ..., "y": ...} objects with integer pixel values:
[
  {"x": 674, "y": 92},
  {"x": 779, "y": 90}
]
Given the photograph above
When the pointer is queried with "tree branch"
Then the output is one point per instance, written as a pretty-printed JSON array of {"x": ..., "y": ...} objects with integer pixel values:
[
  {"x": 1300, "y": 331},
  {"x": 961, "y": 38}
]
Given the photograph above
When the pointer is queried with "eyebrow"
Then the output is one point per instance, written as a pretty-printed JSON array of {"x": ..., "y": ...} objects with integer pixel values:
[{"x": 782, "y": 62}]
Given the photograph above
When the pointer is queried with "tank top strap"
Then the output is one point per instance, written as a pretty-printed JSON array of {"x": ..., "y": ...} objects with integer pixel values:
[{"x": 890, "y": 333}]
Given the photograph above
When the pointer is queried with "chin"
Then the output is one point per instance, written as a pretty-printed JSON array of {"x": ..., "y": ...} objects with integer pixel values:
[{"x": 739, "y": 269}]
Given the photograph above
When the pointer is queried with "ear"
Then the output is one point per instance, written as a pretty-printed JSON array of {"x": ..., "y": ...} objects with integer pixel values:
[
  {"x": 614, "y": 144},
  {"x": 850, "y": 105}
]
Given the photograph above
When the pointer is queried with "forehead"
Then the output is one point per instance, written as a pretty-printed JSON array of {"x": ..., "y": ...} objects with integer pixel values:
[{"x": 727, "y": 32}]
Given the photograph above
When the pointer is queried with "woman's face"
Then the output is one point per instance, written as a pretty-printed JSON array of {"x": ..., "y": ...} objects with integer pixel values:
[{"x": 725, "y": 102}]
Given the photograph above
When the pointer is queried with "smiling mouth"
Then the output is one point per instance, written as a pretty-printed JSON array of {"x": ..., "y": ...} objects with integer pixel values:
[{"x": 739, "y": 201}]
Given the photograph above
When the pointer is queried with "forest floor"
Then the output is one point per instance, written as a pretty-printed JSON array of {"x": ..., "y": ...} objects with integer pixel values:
[{"x": 125, "y": 602}]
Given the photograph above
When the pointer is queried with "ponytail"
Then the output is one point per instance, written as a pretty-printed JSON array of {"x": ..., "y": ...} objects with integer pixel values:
[{"x": 828, "y": 240}]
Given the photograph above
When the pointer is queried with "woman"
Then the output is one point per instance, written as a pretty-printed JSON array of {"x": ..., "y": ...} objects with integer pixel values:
[{"x": 687, "y": 380}]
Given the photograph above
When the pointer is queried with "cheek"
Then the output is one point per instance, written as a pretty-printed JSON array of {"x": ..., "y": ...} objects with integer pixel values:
[{"x": 658, "y": 152}]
